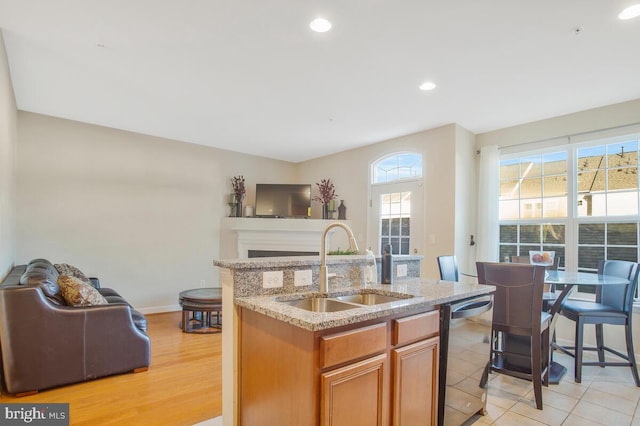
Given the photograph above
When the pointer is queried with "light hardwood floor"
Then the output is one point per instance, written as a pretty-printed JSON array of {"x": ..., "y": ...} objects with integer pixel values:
[{"x": 183, "y": 385}]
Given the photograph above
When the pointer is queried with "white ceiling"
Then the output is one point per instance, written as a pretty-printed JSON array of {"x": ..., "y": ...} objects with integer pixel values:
[{"x": 249, "y": 75}]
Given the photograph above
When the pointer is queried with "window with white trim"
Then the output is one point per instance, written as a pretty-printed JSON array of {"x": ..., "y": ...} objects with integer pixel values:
[
  {"x": 583, "y": 201},
  {"x": 395, "y": 200}
]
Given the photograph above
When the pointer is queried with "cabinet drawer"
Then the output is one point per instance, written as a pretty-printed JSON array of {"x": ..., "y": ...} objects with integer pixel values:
[
  {"x": 343, "y": 347},
  {"x": 416, "y": 327}
]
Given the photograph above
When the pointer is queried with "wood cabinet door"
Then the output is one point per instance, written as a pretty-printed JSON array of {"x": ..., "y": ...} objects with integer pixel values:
[
  {"x": 354, "y": 395},
  {"x": 415, "y": 383}
]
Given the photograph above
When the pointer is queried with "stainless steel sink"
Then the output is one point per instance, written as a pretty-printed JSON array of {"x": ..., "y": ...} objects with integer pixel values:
[
  {"x": 370, "y": 298},
  {"x": 320, "y": 304}
]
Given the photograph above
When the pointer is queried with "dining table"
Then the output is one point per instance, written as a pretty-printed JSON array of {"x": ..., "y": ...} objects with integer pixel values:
[{"x": 569, "y": 281}]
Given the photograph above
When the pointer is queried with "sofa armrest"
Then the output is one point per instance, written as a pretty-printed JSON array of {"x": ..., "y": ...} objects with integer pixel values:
[{"x": 45, "y": 346}]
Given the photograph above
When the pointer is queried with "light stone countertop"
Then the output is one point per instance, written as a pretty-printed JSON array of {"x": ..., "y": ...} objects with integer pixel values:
[
  {"x": 426, "y": 293},
  {"x": 296, "y": 261}
]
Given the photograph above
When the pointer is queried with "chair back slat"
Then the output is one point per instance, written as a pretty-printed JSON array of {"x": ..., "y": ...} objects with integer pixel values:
[
  {"x": 619, "y": 297},
  {"x": 448, "y": 268}
]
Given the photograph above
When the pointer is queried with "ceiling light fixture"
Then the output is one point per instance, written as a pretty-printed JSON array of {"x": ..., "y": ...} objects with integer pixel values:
[
  {"x": 320, "y": 25},
  {"x": 427, "y": 85},
  {"x": 630, "y": 12}
]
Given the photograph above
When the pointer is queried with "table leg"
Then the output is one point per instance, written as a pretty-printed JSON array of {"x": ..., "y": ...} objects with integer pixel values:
[{"x": 557, "y": 370}]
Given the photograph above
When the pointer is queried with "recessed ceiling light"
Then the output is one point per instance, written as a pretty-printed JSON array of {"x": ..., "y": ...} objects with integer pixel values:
[
  {"x": 320, "y": 25},
  {"x": 427, "y": 85},
  {"x": 630, "y": 12}
]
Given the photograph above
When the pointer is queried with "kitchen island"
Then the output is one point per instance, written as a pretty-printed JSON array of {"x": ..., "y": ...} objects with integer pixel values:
[{"x": 289, "y": 365}]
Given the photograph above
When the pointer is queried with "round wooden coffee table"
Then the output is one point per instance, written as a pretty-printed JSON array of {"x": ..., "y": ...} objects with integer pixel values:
[{"x": 197, "y": 307}]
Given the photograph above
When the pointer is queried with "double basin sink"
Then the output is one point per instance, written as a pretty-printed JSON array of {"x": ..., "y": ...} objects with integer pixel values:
[{"x": 314, "y": 303}]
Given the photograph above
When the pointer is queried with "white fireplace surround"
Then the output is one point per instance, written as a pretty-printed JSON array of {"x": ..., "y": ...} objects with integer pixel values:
[{"x": 281, "y": 235}]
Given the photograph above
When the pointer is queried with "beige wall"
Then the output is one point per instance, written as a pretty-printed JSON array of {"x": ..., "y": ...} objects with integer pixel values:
[
  {"x": 350, "y": 172},
  {"x": 593, "y": 120},
  {"x": 140, "y": 212},
  {"x": 8, "y": 142}
]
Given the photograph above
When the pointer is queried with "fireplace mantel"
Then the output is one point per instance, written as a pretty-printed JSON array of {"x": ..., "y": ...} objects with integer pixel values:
[{"x": 244, "y": 234}]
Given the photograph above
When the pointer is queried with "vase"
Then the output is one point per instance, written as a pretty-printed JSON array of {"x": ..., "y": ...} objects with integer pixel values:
[
  {"x": 239, "y": 209},
  {"x": 325, "y": 211},
  {"x": 342, "y": 211}
]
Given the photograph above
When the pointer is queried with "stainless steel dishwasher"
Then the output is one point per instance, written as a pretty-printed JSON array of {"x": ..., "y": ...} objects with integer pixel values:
[{"x": 464, "y": 353}]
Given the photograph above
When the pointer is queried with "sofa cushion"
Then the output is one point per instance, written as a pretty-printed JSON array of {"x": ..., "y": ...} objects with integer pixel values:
[
  {"x": 78, "y": 293},
  {"x": 45, "y": 277},
  {"x": 72, "y": 271}
]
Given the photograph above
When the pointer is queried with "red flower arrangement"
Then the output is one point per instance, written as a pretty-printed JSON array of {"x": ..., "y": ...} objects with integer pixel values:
[
  {"x": 237, "y": 182},
  {"x": 327, "y": 191}
]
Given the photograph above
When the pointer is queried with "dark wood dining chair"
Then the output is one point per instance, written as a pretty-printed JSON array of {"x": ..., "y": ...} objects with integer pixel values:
[
  {"x": 549, "y": 294},
  {"x": 614, "y": 306},
  {"x": 518, "y": 317}
]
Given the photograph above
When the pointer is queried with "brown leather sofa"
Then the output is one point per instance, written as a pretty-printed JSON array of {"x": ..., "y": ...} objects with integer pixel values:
[{"x": 45, "y": 343}]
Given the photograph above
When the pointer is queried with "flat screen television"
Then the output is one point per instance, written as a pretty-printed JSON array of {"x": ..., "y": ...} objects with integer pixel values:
[{"x": 283, "y": 200}]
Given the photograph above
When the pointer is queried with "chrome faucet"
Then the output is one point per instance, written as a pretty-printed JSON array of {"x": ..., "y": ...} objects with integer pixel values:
[{"x": 324, "y": 276}]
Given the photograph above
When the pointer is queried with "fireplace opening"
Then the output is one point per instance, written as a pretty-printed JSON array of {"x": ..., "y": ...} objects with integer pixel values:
[{"x": 280, "y": 253}]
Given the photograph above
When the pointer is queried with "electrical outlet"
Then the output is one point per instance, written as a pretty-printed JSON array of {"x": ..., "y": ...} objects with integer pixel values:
[
  {"x": 203, "y": 283},
  {"x": 302, "y": 278},
  {"x": 272, "y": 279},
  {"x": 402, "y": 270}
]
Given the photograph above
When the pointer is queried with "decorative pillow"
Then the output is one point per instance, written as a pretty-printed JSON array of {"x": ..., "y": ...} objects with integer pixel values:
[
  {"x": 78, "y": 293},
  {"x": 72, "y": 271}
]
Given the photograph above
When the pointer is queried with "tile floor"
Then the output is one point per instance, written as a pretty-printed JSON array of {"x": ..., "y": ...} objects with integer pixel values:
[{"x": 606, "y": 396}]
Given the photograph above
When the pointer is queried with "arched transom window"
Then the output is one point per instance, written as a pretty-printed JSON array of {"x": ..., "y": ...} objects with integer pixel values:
[{"x": 406, "y": 165}]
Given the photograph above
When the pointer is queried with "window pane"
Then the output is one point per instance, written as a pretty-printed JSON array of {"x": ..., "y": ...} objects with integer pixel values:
[
  {"x": 531, "y": 188},
  {"x": 591, "y": 181},
  {"x": 623, "y": 178},
  {"x": 622, "y": 154},
  {"x": 530, "y": 234},
  {"x": 395, "y": 227},
  {"x": 509, "y": 169},
  {"x": 524, "y": 250},
  {"x": 622, "y": 234},
  {"x": 555, "y": 207},
  {"x": 506, "y": 252},
  {"x": 509, "y": 210},
  {"x": 622, "y": 203},
  {"x": 622, "y": 253},
  {"x": 508, "y": 233},
  {"x": 591, "y": 233},
  {"x": 397, "y": 167},
  {"x": 405, "y": 228},
  {"x": 588, "y": 257},
  {"x": 531, "y": 209},
  {"x": 555, "y": 163},
  {"x": 531, "y": 166},
  {"x": 385, "y": 227},
  {"x": 592, "y": 205},
  {"x": 509, "y": 189},
  {"x": 555, "y": 185},
  {"x": 405, "y": 246},
  {"x": 553, "y": 234},
  {"x": 591, "y": 158}
]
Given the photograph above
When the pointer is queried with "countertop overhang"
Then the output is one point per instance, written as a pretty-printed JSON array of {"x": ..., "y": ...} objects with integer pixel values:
[{"x": 427, "y": 293}]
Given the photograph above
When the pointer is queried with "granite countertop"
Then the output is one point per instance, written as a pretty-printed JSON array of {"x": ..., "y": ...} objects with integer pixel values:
[
  {"x": 293, "y": 261},
  {"x": 427, "y": 293}
]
